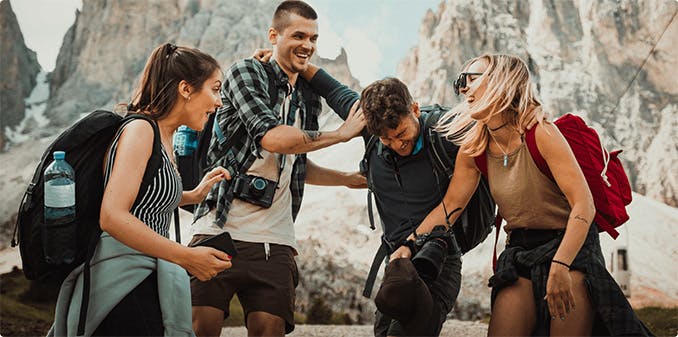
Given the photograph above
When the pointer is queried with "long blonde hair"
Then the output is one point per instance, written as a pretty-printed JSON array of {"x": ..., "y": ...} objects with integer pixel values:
[{"x": 508, "y": 92}]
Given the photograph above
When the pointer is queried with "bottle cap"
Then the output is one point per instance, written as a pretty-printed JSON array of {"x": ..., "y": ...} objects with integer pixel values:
[{"x": 59, "y": 155}]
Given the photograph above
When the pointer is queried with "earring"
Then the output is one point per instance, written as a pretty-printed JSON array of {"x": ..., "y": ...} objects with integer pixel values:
[{"x": 189, "y": 98}]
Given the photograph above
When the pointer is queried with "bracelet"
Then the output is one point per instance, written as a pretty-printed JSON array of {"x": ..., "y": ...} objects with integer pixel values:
[
  {"x": 411, "y": 245},
  {"x": 561, "y": 263}
]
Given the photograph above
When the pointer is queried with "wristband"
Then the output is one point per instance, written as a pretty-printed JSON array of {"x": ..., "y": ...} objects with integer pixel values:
[
  {"x": 561, "y": 263},
  {"x": 411, "y": 245}
]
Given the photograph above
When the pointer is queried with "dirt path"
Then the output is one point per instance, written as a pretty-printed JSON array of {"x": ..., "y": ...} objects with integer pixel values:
[{"x": 451, "y": 328}]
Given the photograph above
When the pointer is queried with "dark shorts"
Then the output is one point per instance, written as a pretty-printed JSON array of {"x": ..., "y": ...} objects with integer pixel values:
[
  {"x": 444, "y": 292},
  {"x": 261, "y": 284}
]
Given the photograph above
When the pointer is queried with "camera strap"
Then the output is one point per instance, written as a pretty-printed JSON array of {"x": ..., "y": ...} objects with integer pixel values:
[
  {"x": 289, "y": 117},
  {"x": 442, "y": 201}
]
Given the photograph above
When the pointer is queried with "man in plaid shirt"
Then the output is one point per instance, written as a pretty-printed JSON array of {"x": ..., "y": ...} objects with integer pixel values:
[{"x": 264, "y": 143}]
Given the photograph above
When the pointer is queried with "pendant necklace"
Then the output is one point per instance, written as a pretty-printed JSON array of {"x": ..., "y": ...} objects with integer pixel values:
[{"x": 505, "y": 162}]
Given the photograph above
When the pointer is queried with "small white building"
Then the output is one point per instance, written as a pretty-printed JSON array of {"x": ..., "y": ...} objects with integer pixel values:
[{"x": 618, "y": 265}]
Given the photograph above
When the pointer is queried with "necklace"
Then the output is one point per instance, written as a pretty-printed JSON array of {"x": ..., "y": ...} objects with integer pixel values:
[
  {"x": 505, "y": 162},
  {"x": 497, "y": 128}
]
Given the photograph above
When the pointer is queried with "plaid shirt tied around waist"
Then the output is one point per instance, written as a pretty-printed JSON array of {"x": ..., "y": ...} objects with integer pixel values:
[
  {"x": 245, "y": 97},
  {"x": 614, "y": 315}
]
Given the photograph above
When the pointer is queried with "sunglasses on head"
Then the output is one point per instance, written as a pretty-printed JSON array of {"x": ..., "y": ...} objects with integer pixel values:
[{"x": 460, "y": 82}]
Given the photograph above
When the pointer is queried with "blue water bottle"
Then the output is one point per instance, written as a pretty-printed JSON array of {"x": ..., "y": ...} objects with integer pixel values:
[
  {"x": 59, "y": 234},
  {"x": 185, "y": 141}
]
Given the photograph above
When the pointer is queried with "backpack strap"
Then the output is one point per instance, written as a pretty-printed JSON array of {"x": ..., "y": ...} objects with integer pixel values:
[
  {"x": 155, "y": 161},
  {"x": 444, "y": 163},
  {"x": 379, "y": 257},
  {"x": 365, "y": 170},
  {"x": 531, "y": 142},
  {"x": 177, "y": 226},
  {"x": 481, "y": 163},
  {"x": 93, "y": 242}
]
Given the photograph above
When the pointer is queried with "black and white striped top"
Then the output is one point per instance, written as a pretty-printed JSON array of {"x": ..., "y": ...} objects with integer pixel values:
[{"x": 162, "y": 196}]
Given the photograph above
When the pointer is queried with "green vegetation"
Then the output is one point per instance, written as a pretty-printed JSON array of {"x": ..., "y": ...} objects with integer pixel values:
[
  {"x": 22, "y": 313},
  {"x": 661, "y": 321},
  {"x": 321, "y": 313},
  {"x": 236, "y": 317}
]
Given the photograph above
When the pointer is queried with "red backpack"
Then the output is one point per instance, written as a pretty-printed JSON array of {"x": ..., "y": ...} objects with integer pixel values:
[{"x": 603, "y": 171}]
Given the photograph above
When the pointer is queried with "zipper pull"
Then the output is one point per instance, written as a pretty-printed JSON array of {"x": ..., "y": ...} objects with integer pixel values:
[{"x": 267, "y": 249}]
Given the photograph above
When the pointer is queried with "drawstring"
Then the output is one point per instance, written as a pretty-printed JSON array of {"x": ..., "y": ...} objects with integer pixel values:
[{"x": 606, "y": 159}]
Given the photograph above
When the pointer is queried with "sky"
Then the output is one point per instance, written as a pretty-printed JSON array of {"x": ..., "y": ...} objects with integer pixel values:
[{"x": 376, "y": 34}]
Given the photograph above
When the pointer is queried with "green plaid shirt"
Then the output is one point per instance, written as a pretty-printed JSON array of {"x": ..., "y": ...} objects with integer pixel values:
[{"x": 245, "y": 99}]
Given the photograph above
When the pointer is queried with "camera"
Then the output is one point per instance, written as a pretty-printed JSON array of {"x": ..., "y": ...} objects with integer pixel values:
[
  {"x": 255, "y": 190},
  {"x": 435, "y": 247}
]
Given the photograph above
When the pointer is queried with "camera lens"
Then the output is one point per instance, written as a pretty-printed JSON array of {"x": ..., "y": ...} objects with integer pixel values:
[
  {"x": 258, "y": 186},
  {"x": 429, "y": 259}
]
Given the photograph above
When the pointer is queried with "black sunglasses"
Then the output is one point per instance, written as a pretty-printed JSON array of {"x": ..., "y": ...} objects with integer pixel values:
[{"x": 460, "y": 82}]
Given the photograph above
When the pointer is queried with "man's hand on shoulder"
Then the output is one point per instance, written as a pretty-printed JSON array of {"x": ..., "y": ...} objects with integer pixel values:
[
  {"x": 263, "y": 55},
  {"x": 354, "y": 123}
]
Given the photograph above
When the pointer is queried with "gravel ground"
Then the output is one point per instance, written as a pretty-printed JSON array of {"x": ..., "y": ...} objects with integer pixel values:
[{"x": 450, "y": 328}]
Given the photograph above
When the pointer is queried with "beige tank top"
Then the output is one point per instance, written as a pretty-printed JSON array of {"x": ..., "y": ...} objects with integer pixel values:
[{"x": 526, "y": 198}]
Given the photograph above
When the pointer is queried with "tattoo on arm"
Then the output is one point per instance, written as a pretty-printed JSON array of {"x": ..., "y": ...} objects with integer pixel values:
[
  {"x": 311, "y": 136},
  {"x": 580, "y": 218}
]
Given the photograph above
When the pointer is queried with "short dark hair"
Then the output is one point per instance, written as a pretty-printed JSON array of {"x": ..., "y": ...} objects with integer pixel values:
[
  {"x": 384, "y": 103},
  {"x": 281, "y": 17},
  {"x": 168, "y": 65}
]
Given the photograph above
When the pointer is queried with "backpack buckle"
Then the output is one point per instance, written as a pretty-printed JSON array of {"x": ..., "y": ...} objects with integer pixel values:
[
  {"x": 25, "y": 203},
  {"x": 363, "y": 167}
]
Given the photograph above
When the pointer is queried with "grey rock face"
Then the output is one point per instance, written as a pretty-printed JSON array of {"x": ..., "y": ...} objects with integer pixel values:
[
  {"x": 586, "y": 58},
  {"x": 18, "y": 69},
  {"x": 105, "y": 50}
]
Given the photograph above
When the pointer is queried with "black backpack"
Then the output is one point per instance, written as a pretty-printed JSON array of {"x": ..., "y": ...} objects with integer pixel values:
[
  {"x": 476, "y": 221},
  {"x": 85, "y": 144}
]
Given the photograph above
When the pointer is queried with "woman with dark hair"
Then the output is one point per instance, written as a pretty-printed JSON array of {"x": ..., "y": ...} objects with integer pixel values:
[
  {"x": 551, "y": 278},
  {"x": 138, "y": 286}
]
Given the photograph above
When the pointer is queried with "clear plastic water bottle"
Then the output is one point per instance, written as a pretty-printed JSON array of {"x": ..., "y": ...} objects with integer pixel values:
[
  {"x": 185, "y": 141},
  {"x": 59, "y": 235}
]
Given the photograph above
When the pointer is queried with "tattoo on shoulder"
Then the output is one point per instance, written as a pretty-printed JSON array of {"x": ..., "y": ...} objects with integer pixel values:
[
  {"x": 581, "y": 218},
  {"x": 311, "y": 136}
]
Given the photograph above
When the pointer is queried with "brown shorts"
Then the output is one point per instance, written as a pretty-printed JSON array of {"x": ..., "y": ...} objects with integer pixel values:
[{"x": 261, "y": 284}]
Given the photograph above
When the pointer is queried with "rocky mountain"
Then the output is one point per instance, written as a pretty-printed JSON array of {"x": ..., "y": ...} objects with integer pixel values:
[
  {"x": 610, "y": 61},
  {"x": 18, "y": 70},
  {"x": 105, "y": 50}
]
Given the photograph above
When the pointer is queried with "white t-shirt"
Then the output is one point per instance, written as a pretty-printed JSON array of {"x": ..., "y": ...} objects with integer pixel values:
[{"x": 252, "y": 223}]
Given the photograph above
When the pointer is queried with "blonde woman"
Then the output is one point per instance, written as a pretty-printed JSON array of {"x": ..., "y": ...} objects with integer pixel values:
[{"x": 551, "y": 278}]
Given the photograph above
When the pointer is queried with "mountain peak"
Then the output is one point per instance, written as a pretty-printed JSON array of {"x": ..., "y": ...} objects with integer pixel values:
[{"x": 18, "y": 72}]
